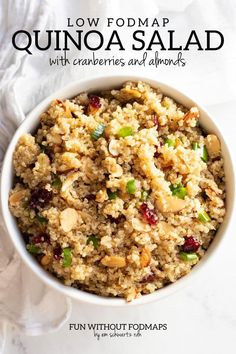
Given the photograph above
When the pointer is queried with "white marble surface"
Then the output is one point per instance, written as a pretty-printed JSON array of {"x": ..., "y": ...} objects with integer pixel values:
[{"x": 201, "y": 318}]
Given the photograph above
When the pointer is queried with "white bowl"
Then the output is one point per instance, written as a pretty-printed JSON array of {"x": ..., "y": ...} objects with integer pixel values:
[{"x": 31, "y": 123}]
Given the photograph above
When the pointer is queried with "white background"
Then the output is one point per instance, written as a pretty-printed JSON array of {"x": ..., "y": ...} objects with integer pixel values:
[{"x": 201, "y": 317}]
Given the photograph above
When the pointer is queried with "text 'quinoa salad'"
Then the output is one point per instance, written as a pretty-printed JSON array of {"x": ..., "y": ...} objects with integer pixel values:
[{"x": 118, "y": 193}]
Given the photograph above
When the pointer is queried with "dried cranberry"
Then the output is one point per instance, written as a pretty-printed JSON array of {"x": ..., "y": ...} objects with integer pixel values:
[
  {"x": 40, "y": 198},
  {"x": 94, "y": 102},
  {"x": 155, "y": 121},
  {"x": 148, "y": 278},
  {"x": 148, "y": 214},
  {"x": 41, "y": 238},
  {"x": 190, "y": 245},
  {"x": 57, "y": 253}
]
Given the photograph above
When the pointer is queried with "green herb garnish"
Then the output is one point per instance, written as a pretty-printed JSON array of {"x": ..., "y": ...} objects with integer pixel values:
[
  {"x": 94, "y": 241},
  {"x": 195, "y": 146},
  {"x": 67, "y": 257},
  {"x": 202, "y": 151},
  {"x": 97, "y": 133},
  {"x": 144, "y": 195},
  {"x": 131, "y": 186},
  {"x": 204, "y": 154},
  {"x": 188, "y": 257},
  {"x": 112, "y": 195},
  {"x": 204, "y": 217},
  {"x": 125, "y": 131},
  {"x": 56, "y": 182},
  {"x": 33, "y": 249},
  {"x": 178, "y": 190},
  {"x": 41, "y": 219},
  {"x": 169, "y": 142}
]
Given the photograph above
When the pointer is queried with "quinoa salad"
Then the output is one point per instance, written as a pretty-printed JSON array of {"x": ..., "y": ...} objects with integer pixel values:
[{"x": 118, "y": 193}]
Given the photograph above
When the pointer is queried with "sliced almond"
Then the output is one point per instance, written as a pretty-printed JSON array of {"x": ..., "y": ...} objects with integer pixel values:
[
  {"x": 131, "y": 93},
  {"x": 138, "y": 225},
  {"x": 101, "y": 196},
  {"x": 212, "y": 145},
  {"x": 165, "y": 227},
  {"x": 117, "y": 171},
  {"x": 113, "y": 261},
  {"x": 112, "y": 167},
  {"x": 17, "y": 197},
  {"x": 126, "y": 94},
  {"x": 71, "y": 178},
  {"x": 68, "y": 219},
  {"x": 145, "y": 257},
  {"x": 45, "y": 260},
  {"x": 170, "y": 204},
  {"x": 113, "y": 147}
]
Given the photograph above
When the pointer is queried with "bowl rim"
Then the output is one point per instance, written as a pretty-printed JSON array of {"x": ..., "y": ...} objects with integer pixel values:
[{"x": 70, "y": 91}]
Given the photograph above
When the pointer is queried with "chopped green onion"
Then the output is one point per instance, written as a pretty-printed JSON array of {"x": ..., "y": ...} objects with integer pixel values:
[
  {"x": 204, "y": 217},
  {"x": 178, "y": 190},
  {"x": 41, "y": 219},
  {"x": 57, "y": 182},
  {"x": 33, "y": 249},
  {"x": 188, "y": 257},
  {"x": 112, "y": 195},
  {"x": 67, "y": 257},
  {"x": 195, "y": 146},
  {"x": 131, "y": 186},
  {"x": 125, "y": 131},
  {"x": 204, "y": 154},
  {"x": 97, "y": 133},
  {"x": 144, "y": 195},
  {"x": 202, "y": 151},
  {"x": 169, "y": 142},
  {"x": 94, "y": 241}
]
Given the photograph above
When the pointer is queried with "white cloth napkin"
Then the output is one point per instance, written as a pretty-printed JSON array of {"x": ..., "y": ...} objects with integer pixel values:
[{"x": 24, "y": 300}]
